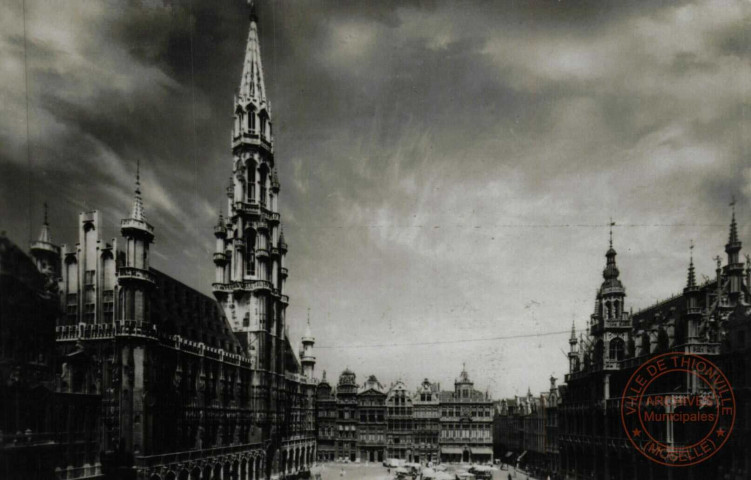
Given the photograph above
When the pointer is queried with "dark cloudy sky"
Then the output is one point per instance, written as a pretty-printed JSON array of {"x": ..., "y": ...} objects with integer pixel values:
[{"x": 448, "y": 168}]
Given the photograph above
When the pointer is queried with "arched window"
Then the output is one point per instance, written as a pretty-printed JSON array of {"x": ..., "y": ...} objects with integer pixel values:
[
  {"x": 252, "y": 121},
  {"x": 616, "y": 308},
  {"x": 598, "y": 352},
  {"x": 250, "y": 168},
  {"x": 663, "y": 341},
  {"x": 646, "y": 350},
  {"x": 607, "y": 309},
  {"x": 250, "y": 252},
  {"x": 262, "y": 182},
  {"x": 617, "y": 349}
]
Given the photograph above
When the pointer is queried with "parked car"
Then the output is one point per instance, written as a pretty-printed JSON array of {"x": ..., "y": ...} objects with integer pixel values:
[
  {"x": 482, "y": 472},
  {"x": 402, "y": 473}
]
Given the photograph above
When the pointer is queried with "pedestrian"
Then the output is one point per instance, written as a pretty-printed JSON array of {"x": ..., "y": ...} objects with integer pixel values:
[{"x": 509, "y": 476}]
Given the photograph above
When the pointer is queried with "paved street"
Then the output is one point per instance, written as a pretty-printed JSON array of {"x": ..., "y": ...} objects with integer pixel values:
[{"x": 352, "y": 471}]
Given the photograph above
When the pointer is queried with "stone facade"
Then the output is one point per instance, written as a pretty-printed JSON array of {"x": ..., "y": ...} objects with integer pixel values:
[
  {"x": 371, "y": 415},
  {"x": 372, "y": 424},
  {"x": 525, "y": 431},
  {"x": 346, "y": 420},
  {"x": 326, "y": 421},
  {"x": 426, "y": 409},
  {"x": 710, "y": 319},
  {"x": 44, "y": 431},
  {"x": 189, "y": 386},
  {"x": 466, "y": 423}
]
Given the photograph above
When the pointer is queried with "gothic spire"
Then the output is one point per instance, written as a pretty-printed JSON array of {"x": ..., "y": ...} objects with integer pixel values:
[
  {"x": 611, "y": 270},
  {"x": 137, "y": 210},
  {"x": 44, "y": 235},
  {"x": 308, "y": 334},
  {"x": 252, "y": 88},
  {"x": 572, "y": 340},
  {"x": 691, "y": 271},
  {"x": 733, "y": 226},
  {"x": 220, "y": 221}
]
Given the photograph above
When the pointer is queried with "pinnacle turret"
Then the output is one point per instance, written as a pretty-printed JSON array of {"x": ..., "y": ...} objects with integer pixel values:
[
  {"x": 137, "y": 212},
  {"x": 610, "y": 274},
  {"x": 691, "y": 272},
  {"x": 733, "y": 238},
  {"x": 252, "y": 87},
  {"x": 46, "y": 254},
  {"x": 734, "y": 267},
  {"x": 733, "y": 246},
  {"x": 572, "y": 339},
  {"x": 307, "y": 358},
  {"x": 44, "y": 234},
  {"x": 220, "y": 229}
]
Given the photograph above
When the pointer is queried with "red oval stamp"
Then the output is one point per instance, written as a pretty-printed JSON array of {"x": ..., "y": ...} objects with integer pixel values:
[{"x": 678, "y": 409}]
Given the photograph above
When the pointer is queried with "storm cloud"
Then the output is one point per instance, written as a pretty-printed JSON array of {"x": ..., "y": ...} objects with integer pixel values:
[{"x": 448, "y": 169}]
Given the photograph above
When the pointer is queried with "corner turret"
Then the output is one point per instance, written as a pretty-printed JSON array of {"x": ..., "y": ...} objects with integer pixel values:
[
  {"x": 135, "y": 278},
  {"x": 307, "y": 359},
  {"x": 46, "y": 255}
]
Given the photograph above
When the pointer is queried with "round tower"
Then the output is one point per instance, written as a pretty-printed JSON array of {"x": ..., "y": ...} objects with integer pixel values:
[
  {"x": 220, "y": 256},
  {"x": 573, "y": 353},
  {"x": 46, "y": 254},
  {"x": 306, "y": 358},
  {"x": 734, "y": 268},
  {"x": 135, "y": 278},
  {"x": 692, "y": 293}
]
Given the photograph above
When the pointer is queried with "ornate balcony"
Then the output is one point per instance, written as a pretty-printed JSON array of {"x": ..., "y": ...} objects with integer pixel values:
[
  {"x": 267, "y": 143},
  {"x": 702, "y": 348},
  {"x": 222, "y": 287},
  {"x": 46, "y": 246},
  {"x": 134, "y": 224},
  {"x": 220, "y": 258},
  {"x": 285, "y": 272},
  {"x": 248, "y": 208},
  {"x": 623, "y": 322},
  {"x": 284, "y": 299},
  {"x": 246, "y": 285},
  {"x": 138, "y": 274}
]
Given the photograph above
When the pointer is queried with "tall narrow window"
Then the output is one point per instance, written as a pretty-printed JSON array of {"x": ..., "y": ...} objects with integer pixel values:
[
  {"x": 250, "y": 252},
  {"x": 617, "y": 349},
  {"x": 262, "y": 181},
  {"x": 251, "y": 178}
]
